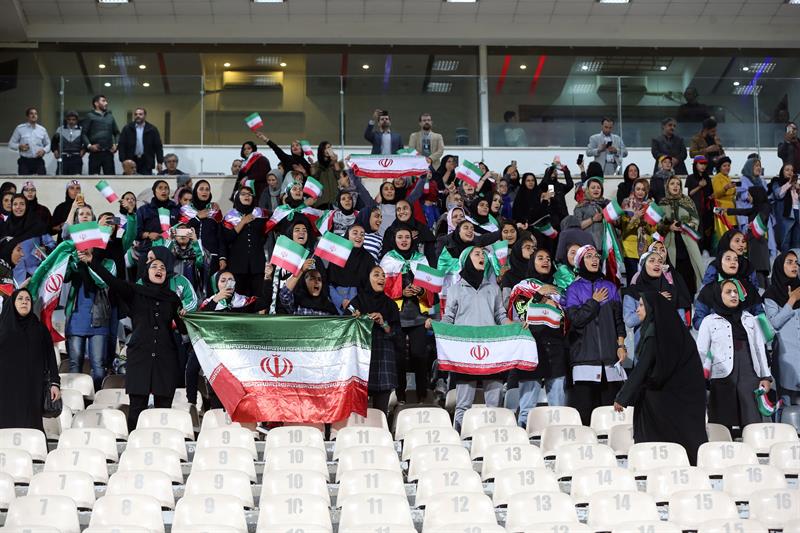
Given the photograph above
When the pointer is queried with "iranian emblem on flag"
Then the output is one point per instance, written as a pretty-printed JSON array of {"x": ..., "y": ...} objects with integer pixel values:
[
  {"x": 469, "y": 173},
  {"x": 253, "y": 121},
  {"x": 288, "y": 255},
  {"x": 428, "y": 278},
  {"x": 484, "y": 350},
  {"x": 90, "y": 235}
]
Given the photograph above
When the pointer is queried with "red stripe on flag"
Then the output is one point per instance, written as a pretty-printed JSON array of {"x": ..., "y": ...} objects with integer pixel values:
[
  {"x": 483, "y": 369},
  {"x": 427, "y": 286},
  {"x": 394, "y": 286},
  {"x": 331, "y": 257}
]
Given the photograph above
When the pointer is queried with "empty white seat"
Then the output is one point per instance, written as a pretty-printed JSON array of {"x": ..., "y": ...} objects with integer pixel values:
[
  {"x": 58, "y": 512},
  {"x": 54, "y": 426},
  {"x": 214, "y": 418},
  {"x": 688, "y": 508},
  {"x": 620, "y": 438},
  {"x": 555, "y": 437},
  {"x": 17, "y": 464},
  {"x": 472, "y": 528},
  {"x": 283, "y": 482},
  {"x": 726, "y": 526},
  {"x": 375, "y": 419},
  {"x": 501, "y": 456},
  {"x": 32, "y": 441},
  {"x": 76, "y": 485},
  {"x": 663, "y": 482},
  {"x": 78, "y": 460},
  {"x": 7, "y": 491},
  {"x": 73, "y": 399},
  {"x": 488, "y": 436},
  {"x": 519, "y": 480},
  {"x": 419, "y": 417},
  {"x": 375, "y": 510},
  {"x": 443, "y": 480},
  {"x": 100, "y": 439},
  {"x": 591, "y": 480},
  {"x": 775, "y": 508},
  {"x": 356, "y": 482},
  {"x": 113, "y": 420},
  {"x": 560, "y": 527},
  {"x": 128, "y": 510},
  {"x": 605, "y": 417},
  {"x": 167, "y": 418},
  {"x": 82, "y": 383},
  {"x": 541, "y": 417},
  {"x": 36, "y": 529},
  {"x": 718, "y": 433},
  {"x": 763, "y": 435},
  {"x": 171, "y": 439},
  {"x": 454, "y": 508},
  {"x": 425, "y": 458},
  {"x": 224, "y": 459},
  {"x": 296, "y": 457},
  {"x": 180, "y": 397},
  {"x": 293, "y": 436},
  {"x": 714, "y": 457},
  {"x": 428, "y": 435},
  {"x": 211, "y": 529},
  {"x": 476, "y": 417},
  {"x": 646, "y": 526},
  {"x": 110, "y": 399},
  {"x": 740, "y": 481},
  {"x": 607, "y": 509},
  {"x": 367, "y": 458},
  {"x": 144, "y": 482},
  {"x": 361, "y": 436},
  {"x": 572, "y": 457},
  {"x": 117, "y": 528},
  {"x": 646, "y": 456},
  {"x": 152, "y": 459},
  {"x": 226, "y": 437},
  {"x": 290, "y": 511},
  {"x": 529, "y": 508},
  {"x": 229, "y": 482},
  {"x": 786, "y": 457},
  {"x": 210, "y": 510}
]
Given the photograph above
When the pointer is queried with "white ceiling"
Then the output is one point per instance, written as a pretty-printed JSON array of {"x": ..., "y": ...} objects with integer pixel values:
[{"x": 746, "y": 23}]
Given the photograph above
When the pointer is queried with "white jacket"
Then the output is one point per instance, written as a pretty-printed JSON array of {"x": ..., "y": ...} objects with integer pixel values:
[{"x": 715, "y": 336}]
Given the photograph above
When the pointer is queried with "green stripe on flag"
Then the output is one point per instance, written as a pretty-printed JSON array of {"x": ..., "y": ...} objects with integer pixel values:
[{"x": 483, "y": 333}]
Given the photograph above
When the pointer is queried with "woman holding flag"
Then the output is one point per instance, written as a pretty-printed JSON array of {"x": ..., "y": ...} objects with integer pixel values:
[
  {"x": 203, "y": 215},
  {"x": 724, "y": 196},
  {"x": 154, "y": 219},
  {"x": 346, "y": 281},
  {"x": 680, "y": 229},
  {"x": 299, "y": 233},
  {"x": 254, "y": 169},
  {"x": 244, "y": 234},
  {"x": 420, "y": 234},
  {"x": 636, "y": 232},
  {"x": 306, "y": 293},
  {"x": 31, "y": 233}
]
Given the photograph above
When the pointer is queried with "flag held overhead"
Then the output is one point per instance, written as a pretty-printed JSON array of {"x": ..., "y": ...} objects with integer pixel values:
[
  {"x": 334, "y": 249},
  {"x": 254, "y": 121},
  {"x": 106, "y": 190}
]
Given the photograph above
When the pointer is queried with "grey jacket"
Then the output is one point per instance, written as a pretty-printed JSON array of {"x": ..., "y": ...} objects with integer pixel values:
[
  {"x": 469, "y": 307},
  {"x": 596, "y": 142},
  {"x": 101, "y": 128},
  {"x": 786, "y": 323}
]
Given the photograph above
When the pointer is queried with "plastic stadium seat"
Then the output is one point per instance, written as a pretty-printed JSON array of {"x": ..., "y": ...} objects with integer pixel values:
[
  {"x": 213, "y": 510},
  {"x": 718, "y": 433},
  {"x": 591, "y": 480},
  {"x": 76, "y": 485},
  {"x": 775, "y": 508},
  {"x": 214, "y": 418},
  {"x": 180, "y": 397},
  {"x": 33, "y": 529},
  {"x": 512, "y": 481},
  {"x": 527, "y": 509},
  {"x": 550, "y": 527},
  {"x": 741, "y": 481},
  {"x": 477, "y": 417},
  {"x": 426, "y": 458},
  {"x": 110, "y": 399},
  {"x": 73, "y": 399},
  {"x": 443, "y": 480},
  {"x": 237, "y": 459},
  {"x": 32, "y": 441},
  {"x": 294, "y": 436},
  {"x": 44, "y": 511},
  {"x": 646, "y": 456},
  {"x": 646, "y": 526},
  {"x": 726, "y": 526},
  {"x": 367, "y": 458},
  {"x": 786, "y": 457},
  {"x": 419, "y": 417},
  {"x": 714, "y": 457},
  {"x": 605, "y": 417},
  {"x": 210, "y": 529},
  {"x": 144, "y": 482},
  {"x": 128, "y": 510},
  {"x": 237, "y": 437},
  {"x": 454, "y": 508},
  {"x": 572, "y": 457},
  {"x": 790, "y": 414},
  {"x": 374, "y": 419},
  {"x": 17, "y": 464},
  {"x": 82, "y": 383},
  {"x": 375, "y": 510},
  {"x": 167, "y": 418},
  {"x": 763, "y": 435},
  {"x": 78, "y": 460},
  {"x": 113, "y": 420},
  {"x": 426, "y": 436},
  {"x": 487, "y": 436},
  {"x": 608, "y": 509},
  {"x": 620, "y": 438},
  {"x": 541, "y": 417},
  {"x": 691, "y": 507},
  {"x": 362, "y": 436},
  {"x": 117, "y": 529},
  {"x": 358, "y": 482},
  {"x": 663, "y": 482},
  {"x": 226, "y": 482},
  {"x": 297, "y": 458},
  {"x": 555, "y": 437},
  {"x": 152, "y": 460},
  {"x": 171, "y": 439},
  {"x": 282, "y": 482},
  {"x": 472, "y": 528},
  {"x": 99, "y": 439},
  {"x": 290, "y": 511},
  {"x": 7, "y": 491},
  {"x": 501, "y": 456},
  {"x": 54, "y": 426}
]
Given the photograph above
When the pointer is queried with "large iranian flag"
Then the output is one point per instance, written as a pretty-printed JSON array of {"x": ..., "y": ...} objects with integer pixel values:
[
  {"x": 46, "y": 284},
  {"x": 611, "y": 254},
  {"x": 388, "y": 166},
  {"x": 483, "y": 350},
  {"x": 284, "y": 369}
]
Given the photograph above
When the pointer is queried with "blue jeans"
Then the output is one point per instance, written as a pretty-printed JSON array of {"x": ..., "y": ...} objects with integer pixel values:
[
  {"x": 76, "y": 348},
  {"x": 529, "y": 395}
]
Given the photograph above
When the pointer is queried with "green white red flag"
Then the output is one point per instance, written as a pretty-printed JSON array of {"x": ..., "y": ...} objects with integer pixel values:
[
  {"x": 547, "y": 230},
  {"x": 757, "y": 228},
  {"x": 691, "y": 232},
  {"x": 253, "y": 121},
  {"x": 611, "y": 253},
  {"x": 388, "y": 166},
  {"x": 469, "y": 173},
  {"x": 653, "y": 214},
  {"x": 164, "y": 219},
  {"x": 313, "y": 188},
  {"x": 288, "y": 255},
  {"x": 334, "y": 249},
  {"x": 612, "y": 211},
  {"x": 428, "y": 278},
  {"x": 540, "y": 314},
  {"x": 308, "y": 151},
  {"x": 47, "y": 281},
  {"x": 90, "y": 235},
  {"x": 106, "y": 190},
  {"x": 484, "y": 350}
]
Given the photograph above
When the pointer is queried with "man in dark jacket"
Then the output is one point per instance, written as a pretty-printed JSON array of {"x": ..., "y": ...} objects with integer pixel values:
[
  {"x": 670, "y": 145},
  {"x": 102, "y": 131},
  {"x": 140, "y": 142},
  {"x": 789, "y": 149},
  {"x": 383, "y": 141}
]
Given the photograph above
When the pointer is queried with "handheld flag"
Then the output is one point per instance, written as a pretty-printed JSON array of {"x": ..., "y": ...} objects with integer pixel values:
[
  {"x": 187, "y": 213},
  {"x": 539, "y": 314},
  {"x": 484, "y": 350},
  {"x": 611, "y": 253},
  {"x": 313, "y": 188},
  {"x": 612, "y": 211},
  {"x": 334, "y": 248},
  {"x": 288, "y": 255},
  {"x": 469, "y": 173},
  {"x": 691, "y": 232},
  {"x": 90, "y": 235},
  {"x": 306, "y": 146},
  {"x": 654, "y": 214},
  {"x": 254, "y": 121},
  {"x": 765, "y": 405},
  {"x": 164, "y": 220},
  {"x": 428, "y": 278},
  {"x": 106, "y": 190},
  {"x": 757, "y": 228},
  {"x": 547, "y": 230}
]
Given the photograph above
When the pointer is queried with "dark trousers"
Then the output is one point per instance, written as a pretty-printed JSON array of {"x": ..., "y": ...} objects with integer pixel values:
[
  {"x": 248, "y": 284},
  {"x": 414, "y": 359},
  {"x": 192, "y": 375},
  {"x": 71, "y": 165},
  {"x": 143, "y": 165},
  {"x": 586, "y": 395},
  {"x": 139, "y": 404},
  {"x": 380, "y": 401},
  {"x": 101, "y": 161},
  {"x": 27, "y": 166}
]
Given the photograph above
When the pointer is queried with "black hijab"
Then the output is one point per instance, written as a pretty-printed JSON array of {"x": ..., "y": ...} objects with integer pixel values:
[
  {"x": 122, "y": 210},
  {"x": 549, "y": 277},
  {"x": 196, "y": 202},
  {"x": 525, "y": 200},
  {"x": 469, "y": 273},
  {"x": 676, "y": 350},
  {"x": 368, "y": 300},
  {"x": 155, "y": 202},
  {"x": 780, "y": 284},
  {"x": 473, "y": 209},
  {"x": 396, "y": 194},
  {"x": 355, "y": 272},
  {"x": 26, "y": 226},
  {"x": 519, "y": 266},
  {"x": 13, "y": 324},
  {"x": 585, "y": 274},
  {"x": 732, "y": 315},
  {"x": 346, "y": 212},
  {"x": 302, "y": 298},
  {"x": 745, "y": 268},
  {"x": 646, "y": 283},
  {"x": 237, "y": 202},
  {"x": 405, "y": 254},
  {"x": 454, "y": 244},
  {"x": 7, "y": 245}
]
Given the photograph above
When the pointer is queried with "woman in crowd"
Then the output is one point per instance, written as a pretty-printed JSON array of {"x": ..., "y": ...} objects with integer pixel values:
[
  {"x": 306, "y": 294},
  {"x": 344, "y": 213},
  {"x": 550, "y": 198},
  {"x": 421, "y": 235},
  {"x": 347, "y": 281},
  {"x": 227, "y": 300},
  {"x": 299, "y": 233},
  {"x": 254, "y": 168},
  {"x": 506, "y": 202},
  {"x": 190, "y": 259},
  {"x": 735, "y": 240},
  {"x": 481, "y": 217},
  {"x": 751, "y": 177},
  {"x": 786, "y": 191},
  {"x": 456, "y": 242},
  {"x": 520, "y": 265},
  {"x": 446, "y": 173},
  {"x": 759, "y": 230},
  {"x": 10, "y": 255},
  {"x": 294, "y": 157},
  {"x": 370, "y": 220},
  {"x": 271, "y": 197},
  {"x": 32, "y": 234},
  {"x": 27, "y": 364},
  {"x": 453, "y": 217},
  {"x": 680, "y": 228},
  {"x": 524, "y": 201},
  {"x": 388, "y": 199},
  {"x": 326, "y": 171},
  {"x": 724, "y": 193},
  {"x": 41, "y": 212},
  {"x": 244, "y": 234},
  {"x": 700, "y": 190},
  {"x": 666, "y": 387},
  {"x": 204, "y": 217},
  {"x": 782, "y": 307},
  {"x": 630, "y": 177},
  {"x": 636, "y": 232},
  {"x": 728, "y": 266},
  {"x": 62, "y": 210},
  {"x": 148, "y": 222},
  {"x": 5, "y": 208},
  {"x": 590, "y": 210}
]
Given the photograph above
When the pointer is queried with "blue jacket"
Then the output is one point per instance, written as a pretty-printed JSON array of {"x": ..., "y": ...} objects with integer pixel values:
[
  {"x": 30, "y": 261},
  {"x": 374, "y": 138},
  {"x": 594, "y": 327}
]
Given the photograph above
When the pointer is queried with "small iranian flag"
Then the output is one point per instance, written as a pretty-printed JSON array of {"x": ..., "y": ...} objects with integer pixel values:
[
  {"x": 766, "y": 406},
  {"x": 325, "y": 222},
  {"x": 757, "y": 228},
  {"x": 469, "y": 173},
  {"x": 611, "y": 253},
  {"x": 657, "y": 236},
  {"x": 333, "y": 248},
  {"x": 654, "y": 214},
  {"x": 90, "y": 235},
  {"x": 547, "y": 230},
  {"x": 500, "y": 252},
  {"x": 484, "y": 350},
  {"x": 691, "y": 232},
  {"x": 187, "y": 213},
  {"x": 106, "y": 190},
  {"x": 428, "y": 278},
  {"x": 306, "y": 146},
  {"x": 288, "y": 255},
  {"x": 539, "y": 314},
  {"x": 612, "y": 211},
  {"x": 254, "y": 121},
  {"x": 164, "y": 220},
  {"x": 766, "y": 327},
  {"x": 313, "y": 188}
]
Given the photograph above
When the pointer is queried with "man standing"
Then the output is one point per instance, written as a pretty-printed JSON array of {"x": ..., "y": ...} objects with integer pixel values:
[
  {"x": 789, "y": 149},
  {"x": 607, "y": 148},
  {"x": 383, "y": 141},
  {"x": 140, "y": 142},
  {"x": 69, "y": 145},
  {"x": 426, "y": 142},
  {"x": 670, "y": 145},
  {"x": 513, "y": 134},
  {"x": 32, "y": 142},
  {"x": 707, "y": 143},
  {"x": 102, "y": 131}
]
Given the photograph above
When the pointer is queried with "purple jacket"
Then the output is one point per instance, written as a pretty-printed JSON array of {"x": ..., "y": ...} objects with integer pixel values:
[{"x": 594, "y": 327}]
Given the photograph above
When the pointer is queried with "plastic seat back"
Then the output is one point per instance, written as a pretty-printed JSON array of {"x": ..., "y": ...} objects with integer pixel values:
[
  {"x": 542, "y": 417},
  {"x": 663, "y": 482},
  {"x": 78, "y": 460},
  {"x": 488, "y": 436},
  {"x": 113, "y": 420},
  {"x": 610, "y": 508},
  {"x": 509, "y": 482},
  {"x": 646, "y": 456},
  {"x": 419, "y": 417},
  {"x": 225, "y": 437},
  {"x": 555, "y": 437},
  {"x": 572, "y": 457},
  {"x": 501, "y": 456},
  {"x": 763, "y": 435},
  {"x": 776, "y": 507},
  {"x": 444, "y": 480},
  {"x": 536, "y": 507},
  {"x": 76, "y": 485},
  {"x": 144, "y": 482},
  {"x": 297, "y": 458},
  {"x": 786, "y": 457},
  {"x": 135, "y": 510},
  {"x": 100, "y": 439},
  {"x": 477, "y": 417},
  {"x": 367, "y": 458},
  {"x": 715, "y": 457},
  {"x": 210, "y": 510},
  {"x": 17, "y": 464},
  {"x": 456, "y": 508},
  {"x": 361, "y": 436},
  {"x": 169, "y": 419},
  {"x": 605, "y": 417},
  {"x": 437, "y": 456},
  {"x": 171, "y": 439},
  {"x": 32, "y": 441},
  {"x": 44, "y": 511},
  {"x": 294, "y": 436},
  {"x": 226, "y": 482},
  {"x": 741, "y": 481},
  {"x": 289, "y": 511},
  {"x": 282, "y": 482},
  {"x": 591, "y": 480},
  {"x": 691, "y": 507},
  {"x": 152, "y": 460},
  {"x": 223, "y": 458},
  {"x": 375, "y": 510},
  {"x": 426, "y": 436}
]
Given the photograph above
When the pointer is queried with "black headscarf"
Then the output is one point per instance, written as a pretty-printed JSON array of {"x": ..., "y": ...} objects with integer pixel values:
[
  {"x": 473, "y": 209},
  {"x": 196, "y": 202},
  {"x": 396, "y": 194},
  {"x": 344, "y": 211},
  {"x": 122, "y": 210},
  {"x": 12, "y": 324},
  {"x": 645, "y": 283},
  {"x": 544, "y": 278},
  {"x": 25, "y": 227},
  {"x": 780, "y": 284},
  {"x": 155, "y": 202},
  {"x": 732, "y": 315},
  {"x": 239, "y": 206},
  {"x": 524, "y": 201},
  {"x": 454, "y": 244},
  {"x": 301, "y": 220},
  {"x": 745, "y": 268},
  {"x": 470, "y": 274},
  {"x": 520, "y": 268},
  {"x": 355, "y": 272},
  {"x": 302, "y": 298},
  {"x": 368, "y": 300},
  {"x": 362, "y": 219},
  {"x": 7, "y": 245},
  {"x": 405, "y": 254},
  {"x": 585, "y": 274},
  {"x": 676, "y": 350},
  {"x": 424, "y": 235}
]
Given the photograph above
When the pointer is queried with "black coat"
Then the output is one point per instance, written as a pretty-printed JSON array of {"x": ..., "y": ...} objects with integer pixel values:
[
  {"x": 151, "y": 141},
  {"x": 147, "y": 221},
  {"x": 375, "y": 138},
  {"x": 246, "y": 249},
  {"x": 209, "y": 232},
  {"x": 672, "y": 147}
]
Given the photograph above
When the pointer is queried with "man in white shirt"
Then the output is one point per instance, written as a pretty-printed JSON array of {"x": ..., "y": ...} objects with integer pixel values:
[
  {"x": 32, "y": 142},
  {"x": 607, "y": 148}
]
